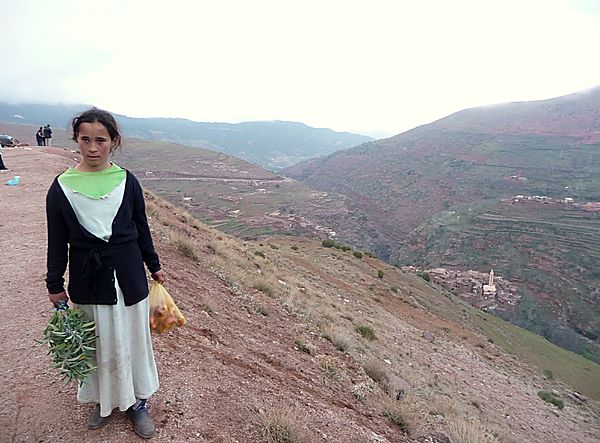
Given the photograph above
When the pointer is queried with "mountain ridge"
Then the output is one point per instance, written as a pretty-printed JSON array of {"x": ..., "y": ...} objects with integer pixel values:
[{"x": 273, "y": 144}]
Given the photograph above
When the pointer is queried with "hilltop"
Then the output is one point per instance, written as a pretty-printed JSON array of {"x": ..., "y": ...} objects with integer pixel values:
[{"x": 284, "y": 330}]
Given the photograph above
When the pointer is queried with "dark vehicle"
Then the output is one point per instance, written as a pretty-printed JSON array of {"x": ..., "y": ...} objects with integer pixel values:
[{"x": 7, "y": 140}]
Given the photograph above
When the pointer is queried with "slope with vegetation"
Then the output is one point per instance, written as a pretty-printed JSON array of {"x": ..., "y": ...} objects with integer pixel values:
[
  {"x": 293, "y": 340},
  {"x": 440, "y": 195}
]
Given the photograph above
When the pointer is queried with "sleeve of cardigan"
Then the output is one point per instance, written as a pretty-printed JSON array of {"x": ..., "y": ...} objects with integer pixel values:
[
  {"x": 144, "y": 237},
  {"x": 57, "y": 241}
]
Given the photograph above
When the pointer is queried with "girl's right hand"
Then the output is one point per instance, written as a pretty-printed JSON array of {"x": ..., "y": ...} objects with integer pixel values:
[{"x": 55, "y": 298}]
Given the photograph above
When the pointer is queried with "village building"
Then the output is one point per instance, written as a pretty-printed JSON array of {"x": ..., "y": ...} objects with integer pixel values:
[{"x": 485, "y": 291}]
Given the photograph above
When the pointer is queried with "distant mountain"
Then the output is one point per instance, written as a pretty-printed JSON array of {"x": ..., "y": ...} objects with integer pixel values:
[
  {"x": 510, "y": 187},
  {"x": 272, "y": 144}
]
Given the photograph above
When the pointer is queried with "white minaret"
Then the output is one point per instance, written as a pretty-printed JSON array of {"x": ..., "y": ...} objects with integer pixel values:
[{"x": 489, "y": 290}]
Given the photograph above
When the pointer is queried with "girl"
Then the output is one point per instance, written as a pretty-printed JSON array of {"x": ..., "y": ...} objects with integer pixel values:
[{"x": 97, "y": 223}]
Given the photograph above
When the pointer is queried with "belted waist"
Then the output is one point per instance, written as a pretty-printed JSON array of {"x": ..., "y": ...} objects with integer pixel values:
[
  {"x": 98, "y": 259},
  {"x": 95, "y": 261}
]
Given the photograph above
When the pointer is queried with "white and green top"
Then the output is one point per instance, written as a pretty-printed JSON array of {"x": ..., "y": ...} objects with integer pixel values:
[{"x": 95, "y": 197}]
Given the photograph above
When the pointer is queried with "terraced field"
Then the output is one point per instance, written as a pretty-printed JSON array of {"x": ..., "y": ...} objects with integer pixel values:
[{"x": 552, "y": 251}]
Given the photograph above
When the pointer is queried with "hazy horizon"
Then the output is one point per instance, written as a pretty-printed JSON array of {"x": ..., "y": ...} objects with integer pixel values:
[{"x": 378, "y": 67}]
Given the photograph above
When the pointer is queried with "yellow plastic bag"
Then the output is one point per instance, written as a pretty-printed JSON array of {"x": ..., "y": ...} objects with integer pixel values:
[{"x": 164, "y": 314}]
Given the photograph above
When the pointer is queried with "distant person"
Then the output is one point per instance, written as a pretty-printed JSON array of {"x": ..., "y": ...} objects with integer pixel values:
[
  {"x": 47, "y": 135},
  {"x": 39, "y": 136},
  {"x": 97, "y": 224},
  {"x": 2, "y": 167}
]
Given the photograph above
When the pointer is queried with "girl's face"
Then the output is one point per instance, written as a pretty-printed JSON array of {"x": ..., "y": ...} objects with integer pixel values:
[{"x": 95, "y": 145}]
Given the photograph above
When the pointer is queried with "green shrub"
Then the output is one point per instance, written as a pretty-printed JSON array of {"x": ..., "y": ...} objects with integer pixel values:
[
  {"x": 346, "y": 248},
  {"x": 425, "y": 276},
  {"x": 380, "y": 273},
  {"x": 328, "y": 243},
  {"x": 366, "y": 331},
  {"x": 548, "y": 374},
  {"x": 259, "y": 253},
  {"x": 274, "y": 246},
  {"x": 549, "y": 397},
  {"x": 358, "y": 254},
  {"x": 294, "y": 247}
]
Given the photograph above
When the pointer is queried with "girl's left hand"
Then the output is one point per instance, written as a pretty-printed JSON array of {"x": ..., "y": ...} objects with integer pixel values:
[{"x": 160, "y": 276}]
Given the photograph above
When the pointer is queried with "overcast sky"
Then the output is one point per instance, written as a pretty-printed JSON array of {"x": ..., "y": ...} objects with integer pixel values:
[{"x": 350, "y": 65}]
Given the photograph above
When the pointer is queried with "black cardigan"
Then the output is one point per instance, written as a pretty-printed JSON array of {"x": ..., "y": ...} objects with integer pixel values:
[{"x": 92, "y": 261}]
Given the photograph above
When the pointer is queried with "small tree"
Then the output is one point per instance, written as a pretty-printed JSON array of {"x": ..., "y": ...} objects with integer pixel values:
[
  {"x": 328, "y": 243},
  {"x": 380, "y": 273}
]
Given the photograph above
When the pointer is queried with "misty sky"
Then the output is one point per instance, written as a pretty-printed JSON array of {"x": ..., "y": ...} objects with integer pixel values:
[{"x": 360, "y": 66}]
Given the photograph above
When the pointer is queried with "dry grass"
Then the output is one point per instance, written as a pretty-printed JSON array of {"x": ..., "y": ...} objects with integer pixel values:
[
  {"x": 409, "y": 414},
  {"x": 465, "y": 430},
  {"x": 151, "y": 208},
  {"x": 186, "y": 217},
  {"x": 377, "y": 372},
  {"x": 282, "y": 425},
  {"x": 212, "y": 248},
  {"x": 331, "y": 366},
  {"x": 184, "y": 244},
  {"x": 263, "y": 286},
  {"x": 336, "y": 335},
  {"x": 394, "y": 413}
]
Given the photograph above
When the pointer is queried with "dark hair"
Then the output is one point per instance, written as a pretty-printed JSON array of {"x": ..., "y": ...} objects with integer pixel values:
[{"x": 105, "y": 118}]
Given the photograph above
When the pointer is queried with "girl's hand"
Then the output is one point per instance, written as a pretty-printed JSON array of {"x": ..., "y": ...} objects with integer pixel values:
[
  {"x": 55, "y": 298},
  {"x": 160, "y": 276}
]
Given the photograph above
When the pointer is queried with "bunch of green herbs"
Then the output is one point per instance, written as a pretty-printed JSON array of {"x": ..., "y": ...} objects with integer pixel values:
[{"x": 71, "y": 338}]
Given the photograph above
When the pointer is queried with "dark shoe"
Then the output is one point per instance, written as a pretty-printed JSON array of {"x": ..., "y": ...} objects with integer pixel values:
[
  {"x": 142, "y": 422},
  {"x": 96, "y": 421}
]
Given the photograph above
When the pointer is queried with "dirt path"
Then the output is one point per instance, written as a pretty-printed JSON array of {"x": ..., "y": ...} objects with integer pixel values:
[
  {"x": 214, "y": 179},
  {"x": 218, "y": 374}
]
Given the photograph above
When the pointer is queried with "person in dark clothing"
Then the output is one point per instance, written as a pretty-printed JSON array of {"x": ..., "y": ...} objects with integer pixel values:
[
  {"x": 39, "y": 136},
  {"x": 47, "y": 132},
  {"x": 97, "y": 224},
  {"x": 2, "y": 167}
]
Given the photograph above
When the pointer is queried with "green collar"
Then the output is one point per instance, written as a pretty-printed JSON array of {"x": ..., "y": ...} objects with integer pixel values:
[{"x": 94, "y": 185}]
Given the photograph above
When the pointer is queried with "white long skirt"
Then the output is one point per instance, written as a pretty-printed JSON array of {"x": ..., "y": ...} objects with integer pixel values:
[{"x": 126, "y": 368}]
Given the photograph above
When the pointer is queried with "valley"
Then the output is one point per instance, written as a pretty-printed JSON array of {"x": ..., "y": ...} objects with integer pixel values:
[{"x": 513, "y": 188}]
